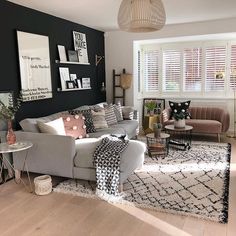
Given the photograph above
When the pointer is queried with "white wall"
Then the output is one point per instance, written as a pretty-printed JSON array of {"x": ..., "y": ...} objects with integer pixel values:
[{"x": 119, "y": 51}]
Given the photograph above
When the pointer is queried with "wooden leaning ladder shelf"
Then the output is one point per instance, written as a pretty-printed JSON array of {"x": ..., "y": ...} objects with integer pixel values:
[{"x": 118, "y": 92}]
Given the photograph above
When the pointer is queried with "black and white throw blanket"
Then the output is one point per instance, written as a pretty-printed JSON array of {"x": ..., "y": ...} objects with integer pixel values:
[{"x": 107, "y": 163}]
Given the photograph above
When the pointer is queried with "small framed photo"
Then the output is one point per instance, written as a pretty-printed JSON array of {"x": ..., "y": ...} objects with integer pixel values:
[
  {"x": 86, "y": 83},
  {"x": 73, "y": 56},
  {"x": 62, "y": 53},
  {"x": 70, "y": 84},
  {"x": 78, "y": 83},
  {"x": 73, "y": 77}
]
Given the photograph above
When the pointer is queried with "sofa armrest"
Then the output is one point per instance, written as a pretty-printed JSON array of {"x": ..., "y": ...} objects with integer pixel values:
[
  {"x": 50, "y": 154},
  {"x": 165, "y": 115},
  {"x": 225, "y": 120}
]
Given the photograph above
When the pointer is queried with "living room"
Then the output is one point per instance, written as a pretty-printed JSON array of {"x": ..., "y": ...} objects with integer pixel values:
[{"x": 82, "y": 80}]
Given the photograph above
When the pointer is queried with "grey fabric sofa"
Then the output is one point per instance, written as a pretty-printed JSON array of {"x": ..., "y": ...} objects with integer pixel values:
[{"x": 64, "y": 156}]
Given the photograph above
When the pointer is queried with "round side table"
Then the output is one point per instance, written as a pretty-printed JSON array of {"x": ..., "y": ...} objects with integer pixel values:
[
  {"x": 158, "y": 146},
  {"x": 180, "y": 138},
  {"x": 16, "y": 147}
]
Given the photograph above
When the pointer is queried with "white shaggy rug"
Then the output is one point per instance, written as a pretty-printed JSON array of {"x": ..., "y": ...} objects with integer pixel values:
[{"x": 193, "y": 182}]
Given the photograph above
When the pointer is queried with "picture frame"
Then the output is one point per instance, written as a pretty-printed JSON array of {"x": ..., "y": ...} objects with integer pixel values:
[
  {"x": 78, "y": 83},
  {"x": 62, "y": 53},
  {"x": 35, "y": 67},
  {"x": 160, "y": 106},
  {"x": 86, "y": 83},
  {"x": 72, "y": 56},
  {"x": 70, "y": 84},
  {"x": 80, "y": 46},
  {"x": 64, "y": 76}
]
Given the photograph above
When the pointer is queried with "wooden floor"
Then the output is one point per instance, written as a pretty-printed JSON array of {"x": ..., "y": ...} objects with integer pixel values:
[{"x": 57, "y": 214}]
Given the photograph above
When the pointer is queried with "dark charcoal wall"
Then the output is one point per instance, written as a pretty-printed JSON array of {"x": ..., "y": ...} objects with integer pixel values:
[{"x": 59, "y": 31}]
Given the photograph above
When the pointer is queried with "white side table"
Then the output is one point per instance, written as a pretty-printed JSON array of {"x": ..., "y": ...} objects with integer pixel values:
[{"x": 16, "y": 147}]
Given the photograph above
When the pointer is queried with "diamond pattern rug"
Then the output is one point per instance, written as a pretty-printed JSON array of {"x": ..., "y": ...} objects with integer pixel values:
[{"x": 193, "y": 182}]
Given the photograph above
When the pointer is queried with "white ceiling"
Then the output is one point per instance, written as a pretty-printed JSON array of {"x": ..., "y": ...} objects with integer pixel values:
[{"x": 102, "y": 14}]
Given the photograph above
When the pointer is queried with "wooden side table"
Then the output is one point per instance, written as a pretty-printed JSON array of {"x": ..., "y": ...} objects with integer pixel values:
[
  {"x": 16, "y": 147},
  {"x": 158, "y": 146},
  {"x": 148, "y": 123}
]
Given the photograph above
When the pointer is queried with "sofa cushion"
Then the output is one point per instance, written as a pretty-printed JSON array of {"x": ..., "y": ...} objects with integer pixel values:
[
  {"x": 129, "y": 126},
  {"x": 88, "y": 119},
  {"x": 99, "y": 120},
  {"x": 110, "y": 115},
  {"x": 128, "y": 113},
  {"x": 202, "y": 126},
  {"x": 118, "y": 111},
  {"x": 74, "y": 126},
  {"x": 52, "y": 127}
]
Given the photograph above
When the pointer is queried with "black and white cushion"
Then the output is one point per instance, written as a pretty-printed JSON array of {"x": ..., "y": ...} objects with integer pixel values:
[
  {"x": 110, "y": 115},
  {"x": 118, "y": 111},
  {"x": 177, "y": 107}
]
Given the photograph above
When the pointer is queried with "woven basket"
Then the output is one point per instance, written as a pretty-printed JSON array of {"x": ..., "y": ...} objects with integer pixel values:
[
  {"x": 43, "y": 184},
  {"x": 125, "y": 81}
]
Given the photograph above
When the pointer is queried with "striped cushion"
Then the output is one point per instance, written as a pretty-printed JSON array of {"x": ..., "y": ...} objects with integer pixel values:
[
  {"x": 99, "y": 120},
  {"x": 118, "y": 112},
  {"x": 110, "y": 115}
]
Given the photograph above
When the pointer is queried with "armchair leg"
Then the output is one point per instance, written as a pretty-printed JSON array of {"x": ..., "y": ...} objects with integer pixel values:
[
  {"x": 218, "y": 136},
  {"x": 17, "y": 174}
]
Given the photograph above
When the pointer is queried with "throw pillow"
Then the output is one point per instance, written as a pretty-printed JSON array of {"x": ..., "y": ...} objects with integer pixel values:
[
  {"x": 110, "y": 115},
  {"x": 74, "y": 126},
  {"x": 177, "y": 107},
  {"x": 128, "y": 113},
  {"x": 118, "y": 111},
  {"x": 99, "y": 120},
  {"x": 52, "y": 127},
  {"x": 88, "y": 119}
]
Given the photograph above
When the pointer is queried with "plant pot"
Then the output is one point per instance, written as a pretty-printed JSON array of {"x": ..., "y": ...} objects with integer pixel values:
[
  {"x": 157, "y": 132},
  {"x": 179, "y": 123},
  {"x": 11, "y": 137}
]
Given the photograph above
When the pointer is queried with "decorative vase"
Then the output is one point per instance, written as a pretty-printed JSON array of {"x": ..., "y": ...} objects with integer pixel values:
[
  {"x": 11, "y": 137},
  {"x": 179, "y": 123}
]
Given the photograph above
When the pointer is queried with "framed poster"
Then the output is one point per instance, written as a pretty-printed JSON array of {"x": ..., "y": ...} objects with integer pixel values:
[
  {"x": 86, "y": 83},
  {"x": 65, "y": 76},
  {"x": 80, "y": 46},
  {"x": 35, "y": 69}
]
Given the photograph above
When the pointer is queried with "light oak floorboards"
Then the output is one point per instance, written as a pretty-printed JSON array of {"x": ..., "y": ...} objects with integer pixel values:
[{"x": 57, "y": 214}]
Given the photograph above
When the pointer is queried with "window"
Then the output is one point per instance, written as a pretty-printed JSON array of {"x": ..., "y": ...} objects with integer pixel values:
[
  {"x": 150, "y": 69},
  {"x": 233, "y": 68},
  {"x": 215, "y": 68},
  {"x": 197, "y": 68},
  {"x": 171, "y": 70},
  {"x": 192, "y": 69}
]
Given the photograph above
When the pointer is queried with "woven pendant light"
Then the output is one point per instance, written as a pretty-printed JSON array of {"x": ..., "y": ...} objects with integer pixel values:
[{"x": 141, "y": 15}]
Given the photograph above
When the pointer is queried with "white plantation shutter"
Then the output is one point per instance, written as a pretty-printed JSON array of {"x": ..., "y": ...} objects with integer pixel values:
[
  {"x": 233, "y": 68},
  {"x": 150, "y": 70},
  {"x": 192, "y": 66},
  {"x": 171, "y": 70},
  {"x": 215, "y": 62}
]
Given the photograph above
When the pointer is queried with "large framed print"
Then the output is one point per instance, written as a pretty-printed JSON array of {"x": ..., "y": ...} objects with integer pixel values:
[
  {"x": 35, "y": 69},
  {"x": 80, "y": 46},
  {"x": 159, "y": 106}
]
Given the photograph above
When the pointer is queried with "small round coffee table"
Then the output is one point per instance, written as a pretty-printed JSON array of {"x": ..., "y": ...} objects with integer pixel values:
[
  {"x": 158, "y": 146},
  {"x": 180, "y": 138}
]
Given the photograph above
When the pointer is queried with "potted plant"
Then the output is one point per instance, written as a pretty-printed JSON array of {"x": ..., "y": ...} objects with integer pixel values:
[
  {"x": 7, "y": 113},
  {"x": 179, "y": 119},
  {"x": 157, "y": 130},
  {"x": 150, "y": 107}
]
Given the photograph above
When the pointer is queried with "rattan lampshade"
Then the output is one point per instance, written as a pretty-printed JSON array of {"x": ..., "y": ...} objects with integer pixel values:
[{"x": 141, "y": 15}]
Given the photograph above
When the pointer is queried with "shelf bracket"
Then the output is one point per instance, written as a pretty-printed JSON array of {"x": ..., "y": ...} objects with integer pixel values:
[{"x": 98, "y": 59}]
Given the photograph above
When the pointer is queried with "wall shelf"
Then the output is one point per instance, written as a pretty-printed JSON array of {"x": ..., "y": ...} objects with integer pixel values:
[
  {"x": 71, "y": 62},
  {"x": 74, "y": 89}
]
